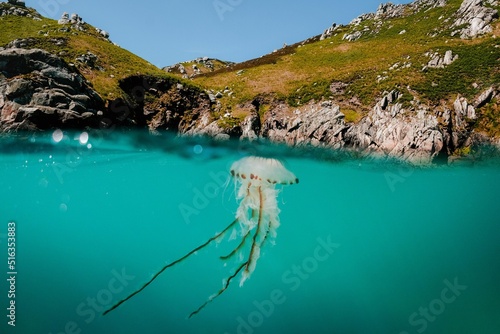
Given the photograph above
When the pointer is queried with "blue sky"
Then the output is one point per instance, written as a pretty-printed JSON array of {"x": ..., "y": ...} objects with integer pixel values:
[{"x": 171, "y": 31}]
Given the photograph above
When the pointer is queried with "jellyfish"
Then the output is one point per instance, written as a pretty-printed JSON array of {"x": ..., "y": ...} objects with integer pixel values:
[{"x": 256, "y": 220}]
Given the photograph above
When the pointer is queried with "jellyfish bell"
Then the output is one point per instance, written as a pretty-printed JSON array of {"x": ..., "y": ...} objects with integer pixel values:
[
  {"x": 262, "y": 171},
  {"x": 257, "y": 213}
]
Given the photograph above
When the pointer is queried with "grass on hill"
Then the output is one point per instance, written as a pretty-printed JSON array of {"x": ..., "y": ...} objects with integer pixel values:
[
  {"x": 383, "y": 59},
  {"x": 113, "y": 64},
  {"x": 303, "y": 73}
]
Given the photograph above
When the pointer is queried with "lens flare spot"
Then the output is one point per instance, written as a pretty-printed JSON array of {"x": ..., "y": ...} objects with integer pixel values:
[
  {"x": 57, "y": 136},
  {"x": 83, "y": 138}
]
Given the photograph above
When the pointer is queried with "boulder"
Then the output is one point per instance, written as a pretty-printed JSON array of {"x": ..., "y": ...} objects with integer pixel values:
[
  {"x": 485, "y": 97},
  {"x": 64, "y": 19}
]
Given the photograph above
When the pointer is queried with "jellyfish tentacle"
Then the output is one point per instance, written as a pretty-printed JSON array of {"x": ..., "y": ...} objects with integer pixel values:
[
  {"x": 238, "y": 248},
  {"x": 242, "y": 218},
  {"x": 221, "y": 291},
  {"x": 255, "y": 250},
  {"x": 217, "y": 236}
]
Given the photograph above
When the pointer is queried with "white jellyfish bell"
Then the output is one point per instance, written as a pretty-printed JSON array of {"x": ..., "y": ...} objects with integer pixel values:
[{"x": 256, "y": 217}]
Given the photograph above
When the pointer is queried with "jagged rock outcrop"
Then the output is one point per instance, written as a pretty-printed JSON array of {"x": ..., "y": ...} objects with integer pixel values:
[
  {"x": 438, "y": 61},
  {"x": 329, "y": 32},
  {"x": 389, "y": 10},
  {"x": 393, "y": 131},
  {"x": 316, "y": 125},
  {"x": 420, "y": 134},
  {"x": 40, "y": 91},
  {"x": 476, "y": 17},
  {"x": 384, "y": 11},
  {"x": 77, "y": 23},
  {"x": 472, "y": 19},
  {"x": 164, "y": 104},
  {"x": 18, "y": 8}
]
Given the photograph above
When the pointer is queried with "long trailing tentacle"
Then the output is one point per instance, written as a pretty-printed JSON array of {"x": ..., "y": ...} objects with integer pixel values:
[
  {"x": 217, "y": 236},
  {"x": 238, "y": 248},
  {"x": 224, "y": 288},
  {"x": 241, "y": 244}
]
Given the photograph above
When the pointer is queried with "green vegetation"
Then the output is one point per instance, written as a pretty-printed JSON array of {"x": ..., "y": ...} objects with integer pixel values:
[
  {"x": 477, "y": 64},
  {"x": 114, "y": 63},
  {"x": 352, "y": 116},
  {"x": 304, "y": 94},
  {"x": 489, "y": 119},
  {"x": 383, "y": 59},
  {"x": 390, "y": 55}
]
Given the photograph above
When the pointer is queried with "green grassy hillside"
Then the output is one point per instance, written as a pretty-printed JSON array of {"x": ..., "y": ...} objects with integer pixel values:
[
  {"x": 381, "y": 60},
  {"x": 390, "y": 54},
  {"x": 113, "y": 63}
]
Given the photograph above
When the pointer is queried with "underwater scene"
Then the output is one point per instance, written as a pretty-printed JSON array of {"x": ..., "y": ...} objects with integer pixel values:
[{"x": 127, "y": 232}]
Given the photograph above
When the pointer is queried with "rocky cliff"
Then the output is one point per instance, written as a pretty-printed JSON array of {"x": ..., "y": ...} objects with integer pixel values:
[
  {"x": 40, "y": 91},
  {"x": 430, "y": 98},
  {"x": 400, "y": 122}
]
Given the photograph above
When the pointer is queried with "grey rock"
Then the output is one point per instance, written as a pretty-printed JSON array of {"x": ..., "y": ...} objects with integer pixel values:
[
  {"x": 449, "y": 58},
  {"x": 389, "y": 10},
  {"x": 438, "y": 61},
  {"x": 329, "y": 32},
  {"x": 475, "y": 17},
  {"x": 64, "y": 19},
  {"x": 352, "y": 36},
  {"x": 18, "y": 8},
  {"x": 463, "y": 109},
  {"x": 222, "y": 137},
  {"x": 88, "y": 59},
  {"x": 212, "y": 98},
  {"x": 40, "y": 91},
  {"x": 250, "y": 127},
  {"x": 319, "y": 126},
  {"x": 104, "y": 33},
  {"x": 485, "y": 97},
  {"x": 21, "y": 43}
]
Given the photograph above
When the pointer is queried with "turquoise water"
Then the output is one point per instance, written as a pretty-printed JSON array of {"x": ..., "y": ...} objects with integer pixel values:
[{"x": 364, "y": 246}]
